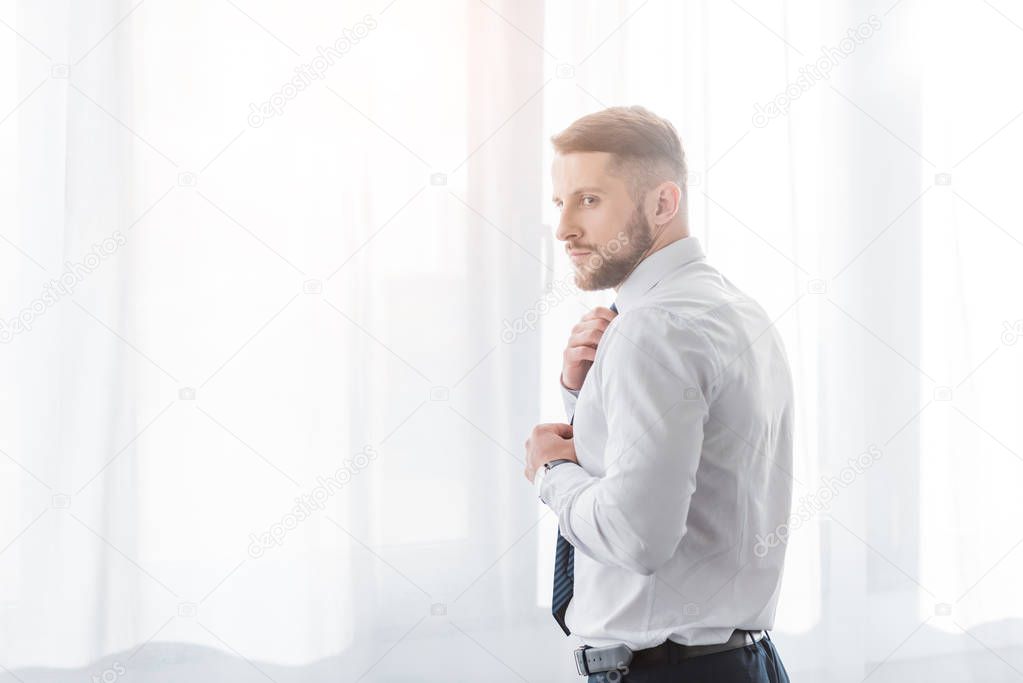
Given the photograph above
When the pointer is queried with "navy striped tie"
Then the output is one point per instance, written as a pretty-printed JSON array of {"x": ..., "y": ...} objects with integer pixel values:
[{"x": 564, "y": 570}]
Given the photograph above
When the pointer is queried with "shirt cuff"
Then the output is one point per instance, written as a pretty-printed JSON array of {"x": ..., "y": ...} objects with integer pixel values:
[{"x": 558, "y": 482}]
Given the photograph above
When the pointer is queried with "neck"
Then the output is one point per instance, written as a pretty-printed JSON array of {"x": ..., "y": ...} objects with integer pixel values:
[{"x": 668, "y": 235}]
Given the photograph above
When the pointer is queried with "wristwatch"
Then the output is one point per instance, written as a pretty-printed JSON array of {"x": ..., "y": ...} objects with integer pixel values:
[{"x": 541, "y": 472}]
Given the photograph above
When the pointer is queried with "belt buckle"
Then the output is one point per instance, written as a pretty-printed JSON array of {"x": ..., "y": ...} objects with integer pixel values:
[
  {"x": 608, "y": 658},
  {"x": 580, "y": 660}
]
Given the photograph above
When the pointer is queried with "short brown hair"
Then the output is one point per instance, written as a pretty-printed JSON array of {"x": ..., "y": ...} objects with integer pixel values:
[{"x": 646, "y": 148}]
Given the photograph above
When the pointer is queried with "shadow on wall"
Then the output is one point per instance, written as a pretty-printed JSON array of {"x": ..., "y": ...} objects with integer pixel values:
[
  {"x": 166, "y": 662},
  {"x": 176, "y": 662},
  {"x": 422, "y": 660}
]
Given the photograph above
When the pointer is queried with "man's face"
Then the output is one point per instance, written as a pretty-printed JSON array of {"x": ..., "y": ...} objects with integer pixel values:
[{"x": 604, "y": 230}]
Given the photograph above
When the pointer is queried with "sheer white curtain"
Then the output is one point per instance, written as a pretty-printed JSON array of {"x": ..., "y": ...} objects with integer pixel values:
[
  {"x": 271, "y": 425},
  {"x": 300, "y": 308}
]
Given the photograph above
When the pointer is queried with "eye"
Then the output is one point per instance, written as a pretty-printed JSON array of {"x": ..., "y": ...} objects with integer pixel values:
[{"x": 587, "y": 198}]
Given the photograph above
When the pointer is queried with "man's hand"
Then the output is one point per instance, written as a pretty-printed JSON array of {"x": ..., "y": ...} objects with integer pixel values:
[
  {"x": 582, "y": 346},
  {"x": 548, "y": 442}
]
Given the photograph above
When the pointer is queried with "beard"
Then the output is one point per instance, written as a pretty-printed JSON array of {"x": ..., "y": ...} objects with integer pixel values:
[{"x": 608, "y": 266}]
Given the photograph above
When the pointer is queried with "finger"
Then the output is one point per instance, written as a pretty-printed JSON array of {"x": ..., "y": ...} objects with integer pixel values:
[
  {"x": 578, "y": 354},
  {"x": 586, "y": 338},
  {"x": 562, "y": 429},
  {"x": 592, "y": 324},
  {"x": 600, "y": 312},
  {"x": 559, "y": 428}
]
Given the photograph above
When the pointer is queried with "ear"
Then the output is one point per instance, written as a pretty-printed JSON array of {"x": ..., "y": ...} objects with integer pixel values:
[{"x": 668, "y": 196}]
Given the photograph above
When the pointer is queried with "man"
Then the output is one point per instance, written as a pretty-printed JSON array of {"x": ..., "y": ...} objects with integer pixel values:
[{"x": 678, "y": 454}]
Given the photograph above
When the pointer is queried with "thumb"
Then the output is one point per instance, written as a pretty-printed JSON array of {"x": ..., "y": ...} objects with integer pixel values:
[{"x": 563, "y": 430}]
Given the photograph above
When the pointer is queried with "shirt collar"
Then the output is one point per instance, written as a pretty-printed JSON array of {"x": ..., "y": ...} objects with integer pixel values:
[{"x": 654, "y": 267}]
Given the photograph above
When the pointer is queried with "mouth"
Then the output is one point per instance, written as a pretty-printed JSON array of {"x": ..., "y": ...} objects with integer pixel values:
[{"x": 578, "y": 256}]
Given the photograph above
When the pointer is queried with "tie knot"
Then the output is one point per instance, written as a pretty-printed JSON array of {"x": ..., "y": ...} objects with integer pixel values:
[{"x": 614, "y": 308}]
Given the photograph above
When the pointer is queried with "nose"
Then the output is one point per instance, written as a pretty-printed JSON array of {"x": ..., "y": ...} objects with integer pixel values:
[{"x": 566, "y": 230}]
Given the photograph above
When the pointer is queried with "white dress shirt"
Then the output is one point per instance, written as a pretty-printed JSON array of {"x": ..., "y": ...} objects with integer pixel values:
[{"x": 683, "y": 432}]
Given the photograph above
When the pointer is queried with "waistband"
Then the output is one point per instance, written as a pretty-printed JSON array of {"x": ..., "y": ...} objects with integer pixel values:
[{"x": 591, "y": 660}]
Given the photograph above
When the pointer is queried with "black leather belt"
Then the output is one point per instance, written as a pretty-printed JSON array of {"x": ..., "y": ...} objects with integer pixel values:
[
  {"x": 669, "y": 651},
  {"x": 591, "y": 660}
]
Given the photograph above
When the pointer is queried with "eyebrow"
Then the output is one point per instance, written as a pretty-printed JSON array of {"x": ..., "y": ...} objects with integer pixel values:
[{"x": 582, "y": 190}]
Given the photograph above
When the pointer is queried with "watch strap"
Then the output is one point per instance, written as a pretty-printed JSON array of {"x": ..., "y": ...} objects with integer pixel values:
[{"x": 554, "y": 463}]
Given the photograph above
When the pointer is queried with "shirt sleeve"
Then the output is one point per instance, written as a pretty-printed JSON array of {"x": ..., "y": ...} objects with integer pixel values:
[
  {"x": 656, "y": 376},
  {"x": 568, "y": 397}
]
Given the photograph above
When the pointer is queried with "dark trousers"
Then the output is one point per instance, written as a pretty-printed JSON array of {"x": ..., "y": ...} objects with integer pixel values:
[{"x": 757, "y": 663}]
